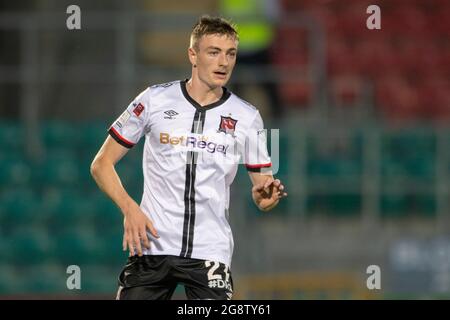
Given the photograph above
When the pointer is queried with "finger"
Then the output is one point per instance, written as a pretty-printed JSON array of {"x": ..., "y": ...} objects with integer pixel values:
[
  {"x": 137, "y": 243},
  {"x": 144, "y": 238},
  {"x": 131, "y": 247},
  {"x": 124, "y": 242},
  {"x": 128, "y": 243},
  {"x": 281, "y": 187},
  {"x": 268, "y": 183},
  {"x": 152, "y": 229},
  {"x": 277, "y": 183},
  {"x": 258, "y": 187}
]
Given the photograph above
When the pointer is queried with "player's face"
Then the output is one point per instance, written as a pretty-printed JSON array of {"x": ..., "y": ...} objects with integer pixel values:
[{"x": 215, "y": 59}]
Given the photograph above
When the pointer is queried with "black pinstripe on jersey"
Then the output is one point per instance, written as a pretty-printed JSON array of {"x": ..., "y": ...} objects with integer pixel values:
[{"x": 191, "y": 168}]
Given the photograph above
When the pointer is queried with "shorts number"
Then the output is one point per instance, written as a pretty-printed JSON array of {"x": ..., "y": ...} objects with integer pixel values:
[
  {"x": 215, "y": 266},
  {"x": 227, "y": 274},
  {"x": 211, "y": 275}
]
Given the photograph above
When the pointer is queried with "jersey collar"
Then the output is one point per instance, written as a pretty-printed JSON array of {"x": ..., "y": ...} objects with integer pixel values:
[{"x": 225, "y": 95}]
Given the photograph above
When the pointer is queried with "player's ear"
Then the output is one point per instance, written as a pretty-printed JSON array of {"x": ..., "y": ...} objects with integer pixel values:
[{"x": 192, "y": 56}]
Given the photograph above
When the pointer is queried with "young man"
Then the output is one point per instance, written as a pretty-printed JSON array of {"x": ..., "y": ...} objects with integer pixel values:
[{"x": 195, "y": 132}]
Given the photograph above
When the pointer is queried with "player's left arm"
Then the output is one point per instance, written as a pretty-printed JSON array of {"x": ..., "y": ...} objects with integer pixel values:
[{"x": 267, "y": 191}]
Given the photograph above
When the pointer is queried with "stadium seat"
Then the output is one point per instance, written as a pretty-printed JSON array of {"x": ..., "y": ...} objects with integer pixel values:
[
  {"x": 11, "y": 136},
  {"x": 20, "y": 207},
  {"x": 396, "y": 99},
  {"x": 93, "y": 134},
  {"x": 45, "y": 278},
  {"x": 100, "y": 280},
  {"x": 434, "y": 97},
  {"x": 346, "y": 90},
  {"x": 393, "y": 205},
  {"x": 406, "y": 205},
  {"x": 11, "y": 281},
  {"x": 414, "y": 47},
  {"x": 334, "y": 157},
  {"x": 61, "y": 134},
  {"x": 110, "y": 243},
  {"x": 15, "y": 170},
  {"x": 68, "y": 208},
  {"x": 78, "y": 247},
  {"x": 340, "y": 58},
  {"x": 410, "y": 154},
  {"x": 59, "y": 168},
  {"x": 342, "y": 205},
  {"x": 105, "y": 211},
  {"x": 373, "y": 56},
  {"x": 28, "y": 245}
]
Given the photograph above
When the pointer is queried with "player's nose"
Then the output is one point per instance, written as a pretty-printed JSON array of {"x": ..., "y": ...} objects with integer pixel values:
[{"x": 223, "y": 60}]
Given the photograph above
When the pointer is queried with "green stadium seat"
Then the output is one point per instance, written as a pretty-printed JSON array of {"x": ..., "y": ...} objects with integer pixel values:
[
  {"x": 93, "y": 134},
  {"x": 15, "y": 171},
  {"x": 111, "y": 252},
  {"x": 11, "y": 136},
  {"x": 423, "y": 204},
  {"x": 334, "y": 204},
  {"x": 421, "y": 168},
  {"x": 344, "y": 204},
  {"x": 104, "y": 207},
  {"x": 409, "y": 153},
  {"x": 334, "y": 161},
  {"x": 100, "y": 280},
  {"x": 59, "y": 168},
  {"x": 11, "y": 283},
  {"x": 393, "y": 205},
  {"x": 28, "y": 245},
  {"x": 68, "y": 208},
  {"x": 46, "y": 279},
  {"x": 406, "y": 205},
  {"x": 61, "y": 134},
  {"x": 20, "y": 207},
  {"x": 78, "y": 247}
]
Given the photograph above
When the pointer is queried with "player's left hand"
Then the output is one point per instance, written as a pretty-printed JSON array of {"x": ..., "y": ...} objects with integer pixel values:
[{"x": 267, "y": 194}]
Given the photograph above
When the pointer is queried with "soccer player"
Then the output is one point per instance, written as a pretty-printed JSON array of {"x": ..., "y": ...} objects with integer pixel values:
[{"x": 195, "y": 133}]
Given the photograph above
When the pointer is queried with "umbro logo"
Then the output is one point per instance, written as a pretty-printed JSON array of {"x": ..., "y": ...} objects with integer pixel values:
[{"x": 170, "y": 114}]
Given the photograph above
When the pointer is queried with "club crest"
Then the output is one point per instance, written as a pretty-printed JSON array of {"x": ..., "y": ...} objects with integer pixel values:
[{"x": 227, "y": 125}]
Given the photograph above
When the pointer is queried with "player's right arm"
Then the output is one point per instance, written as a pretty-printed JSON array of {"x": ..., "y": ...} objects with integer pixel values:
[{"x": 135, "y": 221}]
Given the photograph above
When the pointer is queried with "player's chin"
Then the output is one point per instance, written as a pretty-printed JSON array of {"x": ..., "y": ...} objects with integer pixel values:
[{"x": 220, "y": 81}]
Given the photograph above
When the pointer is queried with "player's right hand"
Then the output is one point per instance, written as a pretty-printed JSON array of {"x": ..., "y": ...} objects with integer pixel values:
[{"x": 135, "y": 225}]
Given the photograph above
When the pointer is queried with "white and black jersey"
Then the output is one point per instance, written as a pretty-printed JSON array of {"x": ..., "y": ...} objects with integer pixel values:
[{"x": 191, "y": 156}]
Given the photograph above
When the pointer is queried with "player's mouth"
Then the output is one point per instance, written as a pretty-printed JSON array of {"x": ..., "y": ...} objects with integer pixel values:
[{"x": 220, "y": 74}]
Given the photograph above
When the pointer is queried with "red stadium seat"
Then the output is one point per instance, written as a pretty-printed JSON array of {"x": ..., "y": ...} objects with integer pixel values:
[
  {"x": 296, "y": 94},
  {"x": 434, "y": 99},
  {"x": 396, "y": 99},
  {"x": 411, "y": 47},
  {"x": 346, "y": 90},
  {"x": 375, "y": 58},
  {"x": 341, "y": 59}
]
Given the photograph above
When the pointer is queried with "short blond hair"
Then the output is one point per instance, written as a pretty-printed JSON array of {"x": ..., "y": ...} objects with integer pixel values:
[{"x": 212, "y": 25}]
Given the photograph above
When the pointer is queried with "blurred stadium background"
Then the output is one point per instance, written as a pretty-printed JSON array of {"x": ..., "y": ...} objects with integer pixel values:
[{"x": 364, "y": 121}]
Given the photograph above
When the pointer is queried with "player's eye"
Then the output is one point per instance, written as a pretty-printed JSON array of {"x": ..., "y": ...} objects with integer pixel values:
[
  {"x": 232, "y": 54},
  {"x": 214, "y": 53}
]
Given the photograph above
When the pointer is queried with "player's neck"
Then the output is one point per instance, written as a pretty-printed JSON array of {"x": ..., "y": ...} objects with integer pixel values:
[{"x": 201, "y": 93}]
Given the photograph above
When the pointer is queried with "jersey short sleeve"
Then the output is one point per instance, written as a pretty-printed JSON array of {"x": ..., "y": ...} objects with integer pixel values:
[
  {"x": 256, "y": 155},
  {"x": 132, "y": 123}
]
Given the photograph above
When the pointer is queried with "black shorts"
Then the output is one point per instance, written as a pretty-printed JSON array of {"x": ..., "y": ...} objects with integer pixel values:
[{"x": 156, "y": 277}]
